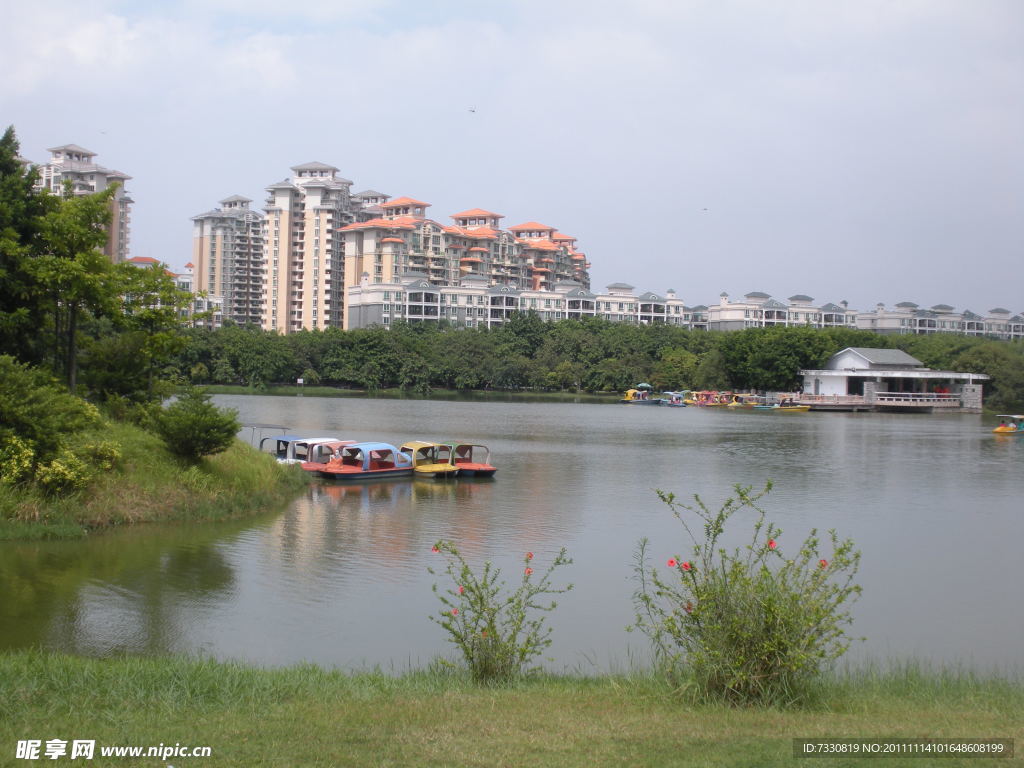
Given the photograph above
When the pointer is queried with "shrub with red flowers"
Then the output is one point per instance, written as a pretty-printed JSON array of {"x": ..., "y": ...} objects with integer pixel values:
[
  {"x": 753, "y": 624},
  {"x": 498, "y": 633}
]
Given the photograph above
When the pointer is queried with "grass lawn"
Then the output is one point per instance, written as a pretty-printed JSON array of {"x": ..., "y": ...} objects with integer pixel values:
[{"x": 306, "y": 716}]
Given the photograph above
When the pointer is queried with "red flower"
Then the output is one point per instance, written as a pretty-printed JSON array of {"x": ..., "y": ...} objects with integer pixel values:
[
  {"x": 687, "y": 566},
  {"x": 455, "y": 611},
  {"x": 823, "y": 563},
  {"x": 771, "y": 544},
  {"x": 688, "y": 607},
  {"x": 529, "y": 555},
  {"x": 672, "y": 562},
  {"x": 462, "y": 589},
  {"x": 434, "y": 549},
  {"x": 529, "y": 571}
]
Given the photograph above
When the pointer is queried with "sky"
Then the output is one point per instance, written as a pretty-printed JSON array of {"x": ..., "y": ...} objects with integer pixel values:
[{"x": 862, "y": 150}]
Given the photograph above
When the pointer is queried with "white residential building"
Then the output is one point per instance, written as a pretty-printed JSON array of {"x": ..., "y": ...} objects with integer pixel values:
[
  {"x": 909, "y": 318},
  {"x": 74, "y": 164},
  {"x": 476, "y": 302},
  {"x": 229, "y": 260},
  {"x": 759, "y": 310}
]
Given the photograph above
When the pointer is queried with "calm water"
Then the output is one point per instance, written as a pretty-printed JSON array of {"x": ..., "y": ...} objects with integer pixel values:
[{"x": 339, "y": 578}]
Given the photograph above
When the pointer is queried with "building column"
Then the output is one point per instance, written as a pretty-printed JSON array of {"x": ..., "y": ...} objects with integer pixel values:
[{"x": 970, "y": 398}]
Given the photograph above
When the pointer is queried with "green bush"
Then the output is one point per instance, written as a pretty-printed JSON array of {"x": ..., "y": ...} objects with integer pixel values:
[
  {"x": 66, "y": 473},
  {"x": 496, "y": 633},
  {"x": 103, "y": 455},
  {"x": 16, "y": 460},
  {"x": 751, "y": 625},
  {"x": 34, "y": 409},
  {"x": 193, "y": 427}
]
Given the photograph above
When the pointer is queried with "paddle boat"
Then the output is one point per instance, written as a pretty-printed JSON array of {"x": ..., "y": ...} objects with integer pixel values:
[
  {"x": 430, "y": 459},
  {"x": 357, "y": 461},
  {"x": 711, "y": 399},
  {"x": 742, "y": 401},
  {"x": 295, "y": 449},
  {"x": 675, "y": 399},
  {"x": 1014, "y": 427},
  {"x": 467, "y": 457},
  {"x": 641, "y": 395},
  {"x": 786, "y": 406}
]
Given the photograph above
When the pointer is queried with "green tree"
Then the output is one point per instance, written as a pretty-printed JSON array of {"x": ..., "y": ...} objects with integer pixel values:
[
  {"x": 677, "y": 369},
  {"x": 22, "y": 211},
  {"x": 74, "y": 273},
  {"x": 193, "y": 427},
  {"x": 154, "y": 307}
]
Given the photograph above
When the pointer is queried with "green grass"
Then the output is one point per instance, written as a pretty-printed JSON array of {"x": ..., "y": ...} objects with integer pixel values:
[
  {"x": 151, "y": 485},
  {"x": 307, "y": 716}
]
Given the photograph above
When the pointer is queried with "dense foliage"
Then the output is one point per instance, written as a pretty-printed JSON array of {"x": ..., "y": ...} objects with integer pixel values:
[{"x": 593, "y": 355}]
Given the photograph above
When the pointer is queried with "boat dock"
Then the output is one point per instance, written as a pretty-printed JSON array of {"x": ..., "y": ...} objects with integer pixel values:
[{"x": 906, "y": 402}]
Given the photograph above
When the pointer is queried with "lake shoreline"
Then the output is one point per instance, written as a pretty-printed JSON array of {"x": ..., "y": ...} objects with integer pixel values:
[
  {"x": 249, "y": 716},
  {"x": 482, "y": 395},
  {"x": 149, "y": 485}
]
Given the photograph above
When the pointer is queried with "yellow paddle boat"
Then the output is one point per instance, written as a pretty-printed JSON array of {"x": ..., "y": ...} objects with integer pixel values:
[
  {"x": 1014, "y": 427},
  {"x": 430, "y": 459}
]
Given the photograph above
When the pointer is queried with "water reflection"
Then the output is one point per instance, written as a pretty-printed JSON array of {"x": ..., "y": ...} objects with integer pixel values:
[
  {"x": 130, "y": 592},
  {"x": 340, "y": 577}
]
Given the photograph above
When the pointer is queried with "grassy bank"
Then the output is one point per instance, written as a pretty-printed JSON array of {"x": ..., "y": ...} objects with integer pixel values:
[
  {"x": 306, "y": 716},
  {"x": 151, "y": 485}
]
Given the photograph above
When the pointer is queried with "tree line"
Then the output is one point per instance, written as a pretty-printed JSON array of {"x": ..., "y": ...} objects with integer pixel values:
[{"x": 592, "y": 355}]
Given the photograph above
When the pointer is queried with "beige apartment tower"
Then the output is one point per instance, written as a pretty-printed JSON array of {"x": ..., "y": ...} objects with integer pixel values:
[{"x": 304, "y": 284}]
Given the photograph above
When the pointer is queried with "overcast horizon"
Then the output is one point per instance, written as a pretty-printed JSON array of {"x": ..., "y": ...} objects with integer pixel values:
[{"x": 859, "y": 150}]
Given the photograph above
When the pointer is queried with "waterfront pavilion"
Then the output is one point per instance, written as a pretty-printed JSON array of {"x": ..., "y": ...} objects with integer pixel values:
[{"x": 884, "y": 378}]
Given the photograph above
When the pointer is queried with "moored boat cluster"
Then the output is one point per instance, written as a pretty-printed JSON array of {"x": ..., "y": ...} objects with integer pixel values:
[
  {"x": 334, "y": 459},
  {"x": 642, "y": 394}
]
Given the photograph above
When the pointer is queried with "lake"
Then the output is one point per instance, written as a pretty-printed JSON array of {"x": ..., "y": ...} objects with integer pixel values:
[{"x": 339, "y": 578}]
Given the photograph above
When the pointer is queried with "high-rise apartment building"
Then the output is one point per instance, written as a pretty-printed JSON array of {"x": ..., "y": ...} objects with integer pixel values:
[
  {"x": 402, "y": 241},
  {"x": 75, "y": 164},
  {"x": 228, "y": 259},
  {"x": 304, "y": 281}
]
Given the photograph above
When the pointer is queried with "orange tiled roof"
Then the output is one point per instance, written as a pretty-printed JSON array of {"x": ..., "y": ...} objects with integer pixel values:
[
  {"x": 142, "y": 260},
  {"x": 471, "y": 258},
  {"x": 539, "y": 245},
  {"x": 540, "y": 269},
  {"x": 577, "y": 257},
  {"x": 397, "y": 203},
  {"x": 402, "y": 222},
  {"x": 559, "y": 237},
  {"x": 478, "y": 248},
  {"x": 392, "y": 240},
  {"x": 476, "y": 213},
  {"x": 531, "y": 226},
  {"x": 190, "y": 265}
]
